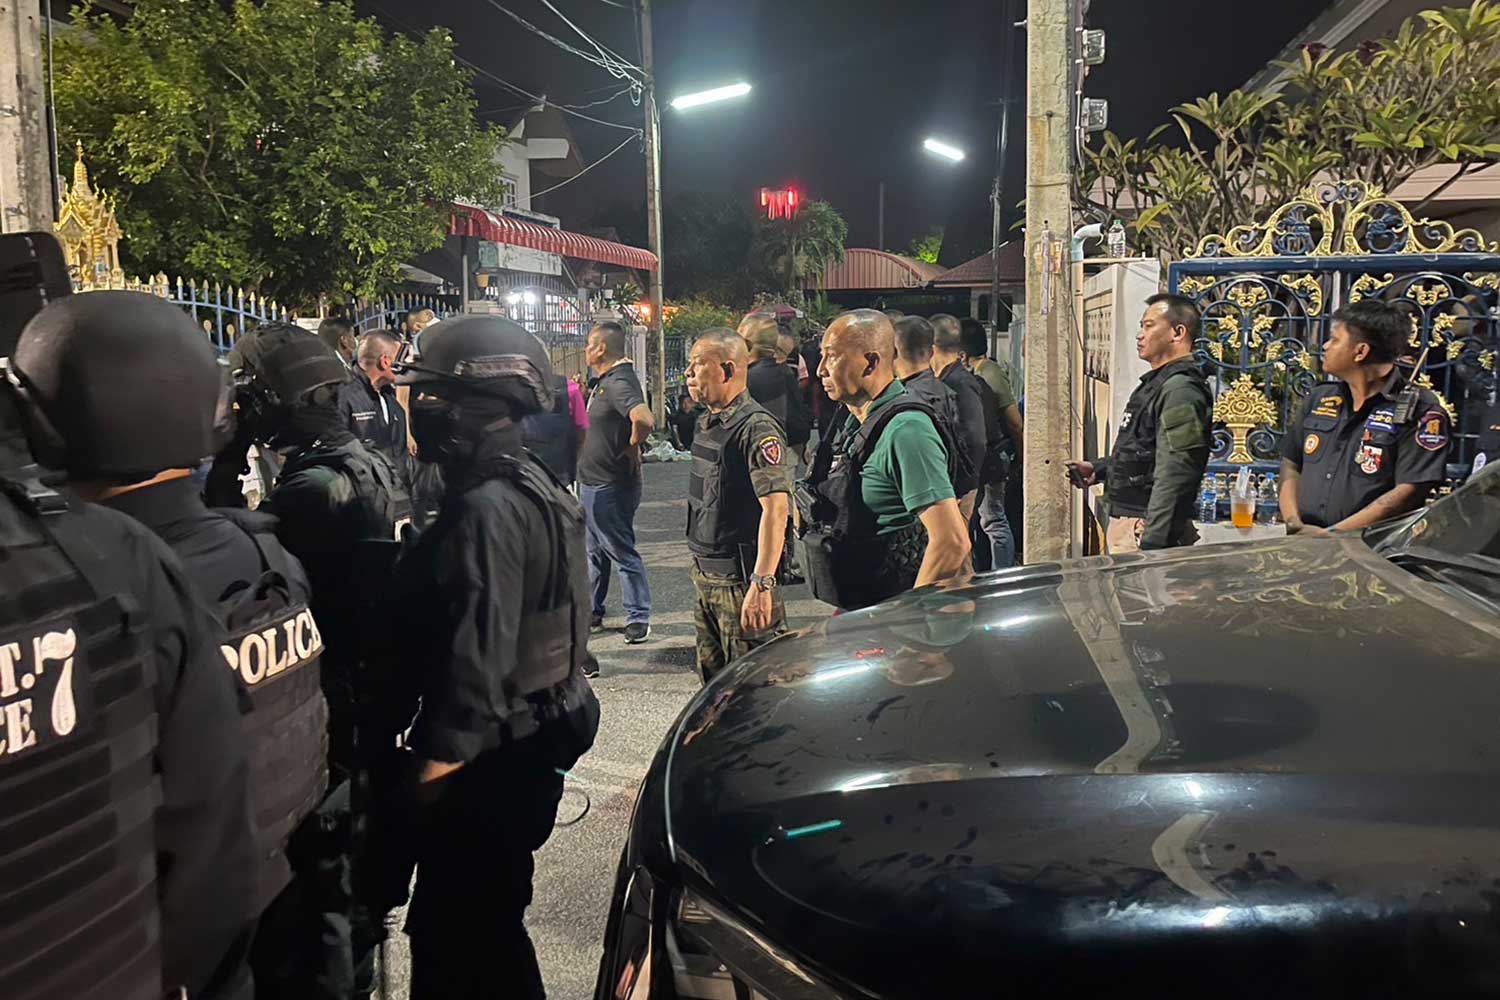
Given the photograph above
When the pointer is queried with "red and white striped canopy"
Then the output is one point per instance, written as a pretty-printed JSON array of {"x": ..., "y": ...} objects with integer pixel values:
[{"x": 470, "y": 220}]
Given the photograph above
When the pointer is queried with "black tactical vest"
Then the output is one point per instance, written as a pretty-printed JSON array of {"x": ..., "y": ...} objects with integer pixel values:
[
  {"x": 849, "y": 564},
  {"x": 551, "y": 436},
  {"x": 78, "y": 895},
  {"x": 723, "y": 513},
  {"x": 1132, "y": 462},
  {"x": 384, "y": 502},
  {"x": 547, "y": 685},
  {"x": 273, "y": 649}
]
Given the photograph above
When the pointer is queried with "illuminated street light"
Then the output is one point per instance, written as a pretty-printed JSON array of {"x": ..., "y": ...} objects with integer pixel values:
[
  {"x": 942, "y": 149},
  {"x": 710, "y": 96}
]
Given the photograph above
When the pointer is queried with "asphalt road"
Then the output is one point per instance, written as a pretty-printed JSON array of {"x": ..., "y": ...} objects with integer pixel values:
[{"x": 641, "y": 690}]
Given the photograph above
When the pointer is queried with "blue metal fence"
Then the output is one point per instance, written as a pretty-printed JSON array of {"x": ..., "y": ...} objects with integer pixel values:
[{"x": 1267, "y": 292}]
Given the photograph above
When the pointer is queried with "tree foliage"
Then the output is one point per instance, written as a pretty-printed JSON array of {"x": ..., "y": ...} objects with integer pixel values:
[
  {"x": 791, "y": 252},
  {"x": 928, "y": 247},
  {"x": 696, "y": 315},
  {"x": 1422, "y": 97},
  {"x": 286, "y": 144},
  {"x": 706, "y": 242}
]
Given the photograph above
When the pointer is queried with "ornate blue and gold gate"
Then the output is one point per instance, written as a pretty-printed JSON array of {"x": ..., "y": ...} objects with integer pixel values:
[{"x": 1267, "y": 290}]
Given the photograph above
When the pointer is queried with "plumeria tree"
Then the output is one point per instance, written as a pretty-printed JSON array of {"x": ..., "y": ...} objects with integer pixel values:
[{"x": 1423, "y": 97}]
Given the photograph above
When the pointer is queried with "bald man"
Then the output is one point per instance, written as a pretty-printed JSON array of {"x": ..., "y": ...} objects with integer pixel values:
[
  {"x": 738, "y": 502},
  {"x": 880, "y": 516},
  {"x": 772, "y": 384}
]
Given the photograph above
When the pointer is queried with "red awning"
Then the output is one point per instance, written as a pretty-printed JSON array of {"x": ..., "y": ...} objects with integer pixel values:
[{"x": 468, "y": 220}]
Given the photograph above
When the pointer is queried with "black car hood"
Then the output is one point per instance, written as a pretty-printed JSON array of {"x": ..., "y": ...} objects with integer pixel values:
[{"x": 1212, "y": 750}]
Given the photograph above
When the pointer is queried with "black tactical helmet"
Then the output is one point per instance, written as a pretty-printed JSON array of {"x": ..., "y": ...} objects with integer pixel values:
[
  {"x": 120, "y": 385},
  {"x": 488, "y": 356},
  {"x": 278, "y": 367}
]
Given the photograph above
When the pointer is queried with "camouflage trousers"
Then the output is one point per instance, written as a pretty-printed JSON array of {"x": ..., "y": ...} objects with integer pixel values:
[{"x": 716, "y": 617}]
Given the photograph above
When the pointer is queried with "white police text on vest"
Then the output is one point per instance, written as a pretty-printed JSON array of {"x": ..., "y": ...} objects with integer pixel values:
[{"x": 261, "y": 654}]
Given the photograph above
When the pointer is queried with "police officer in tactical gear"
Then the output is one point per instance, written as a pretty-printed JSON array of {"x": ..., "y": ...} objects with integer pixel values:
[
  {"x": 738, "y": 501},
  {"x": 879, "y": 515},
  {"x": 1368, "y": 446},
  {"x": 126, "y": 832},
  {"x": 491, "y": 669},
  {"x": 340, "y": 509},
  {"x": 234, "y": 561},
  {"x": 1153, "y": 473}
]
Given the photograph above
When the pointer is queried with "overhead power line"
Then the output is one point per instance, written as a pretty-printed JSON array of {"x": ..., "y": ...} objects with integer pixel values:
[
  {"x": 620, "y": 70},
  {"x": 591, "y": 166},
  {"x": 604, "y": 51}
]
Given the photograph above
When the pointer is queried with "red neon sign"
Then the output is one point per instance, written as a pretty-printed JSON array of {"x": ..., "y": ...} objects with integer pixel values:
[{"x": 780, "y": 204}]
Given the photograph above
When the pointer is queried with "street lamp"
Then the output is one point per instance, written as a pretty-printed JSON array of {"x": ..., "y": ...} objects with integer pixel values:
[
  {"x": 943, "y": 149},
  {"x": 710, "y": 96}
]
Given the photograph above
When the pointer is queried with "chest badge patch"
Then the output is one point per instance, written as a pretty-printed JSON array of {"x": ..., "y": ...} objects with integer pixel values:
[
  {"x": 1382, "y": 419},
  {"x": 1327, "y": 406},
  {"x": 1432, "y": 431},
  {"x": 770, "y": 450},
  {"x": 1370, "y": 458},
  {"x": 1310, "y": 445}
]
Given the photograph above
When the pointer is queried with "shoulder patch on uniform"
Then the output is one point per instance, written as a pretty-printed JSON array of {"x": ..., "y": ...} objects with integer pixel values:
[
  {"x": 770, "y": 449},
  {"x": 1432, "y": 430}
]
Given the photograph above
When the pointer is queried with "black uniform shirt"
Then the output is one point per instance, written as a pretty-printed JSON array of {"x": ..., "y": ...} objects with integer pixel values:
[
  {"x": 466, "y": 586},
  {"x": 204, "y": 834},
  {"x": 214, "y": 551},
  {"x": 1350, "y": 457},
  {"x": 759, "y": 458},
  {"x": 606, "y": 460},
  {"x": 374, "y": 417},
  {"x": 774, "y": 386},
  {"x": 972, "y": 419}
]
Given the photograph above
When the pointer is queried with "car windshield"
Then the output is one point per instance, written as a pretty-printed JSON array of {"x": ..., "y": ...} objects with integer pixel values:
[{"x": 1455, "y": 542}]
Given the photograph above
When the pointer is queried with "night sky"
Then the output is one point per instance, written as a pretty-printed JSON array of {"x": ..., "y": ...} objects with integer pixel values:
[{"x": 845, "y": 91}]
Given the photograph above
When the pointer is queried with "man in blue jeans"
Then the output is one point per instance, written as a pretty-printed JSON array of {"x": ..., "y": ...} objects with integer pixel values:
[{"x": 609, "y": 474}]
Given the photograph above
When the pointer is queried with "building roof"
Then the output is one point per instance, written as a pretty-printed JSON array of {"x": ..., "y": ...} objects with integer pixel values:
[
  {"x": 976, "y": 273},
  {"x": 1342, "y": 26},
  {"x": 471, "y": 220},
  {"x": 869, "y": 270}
]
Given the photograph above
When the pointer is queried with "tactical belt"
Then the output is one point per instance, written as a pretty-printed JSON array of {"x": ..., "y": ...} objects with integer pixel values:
[{"x": 727, "y": 566}]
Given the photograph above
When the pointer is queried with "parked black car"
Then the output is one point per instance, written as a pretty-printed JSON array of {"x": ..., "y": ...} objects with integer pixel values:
[{"x": 1269, "y": 769}]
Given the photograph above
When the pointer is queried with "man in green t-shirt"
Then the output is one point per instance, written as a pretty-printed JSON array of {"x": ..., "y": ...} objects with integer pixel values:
[{"x": 905, "y": 479}]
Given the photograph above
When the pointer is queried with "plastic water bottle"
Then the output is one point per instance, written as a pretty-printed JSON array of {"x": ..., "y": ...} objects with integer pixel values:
[
  {"x": 1268, "y": 500},
  {"x": 1116, "y": 239},
  {"x": 1208, "y": 502}
]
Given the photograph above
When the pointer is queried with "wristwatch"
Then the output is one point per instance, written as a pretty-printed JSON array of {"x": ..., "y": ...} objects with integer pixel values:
[{"x": 767, "y": 582}]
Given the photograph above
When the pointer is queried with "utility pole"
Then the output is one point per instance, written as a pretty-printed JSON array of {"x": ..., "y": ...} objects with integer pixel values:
[
  {"x": 1049, "y": 219},
  {"x": 880, "y": 239},
  {"x": 26, "y": 181},
  {"x": 653, "y": 217},
  {"x": 1002, "y": 149}
]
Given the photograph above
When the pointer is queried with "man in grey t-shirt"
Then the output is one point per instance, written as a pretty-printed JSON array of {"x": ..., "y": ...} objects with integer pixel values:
[{"x": 609, "y": 474}]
